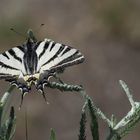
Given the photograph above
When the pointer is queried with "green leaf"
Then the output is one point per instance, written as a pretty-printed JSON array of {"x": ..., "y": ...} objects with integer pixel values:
[
  {"x": 10, "y": 124},
  {"x": 94, "y": 122},
  {"x": 7, "y": 126},
  {"x": 52, "y": 136},
  {"x": 82, "y": 135},
  {"x": 3, "y": 104}
]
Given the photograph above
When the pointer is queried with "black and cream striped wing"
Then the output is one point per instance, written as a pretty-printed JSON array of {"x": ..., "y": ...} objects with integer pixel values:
[
  {"x": 11, "y": 62},
  {"x": 54, "y": 56}
]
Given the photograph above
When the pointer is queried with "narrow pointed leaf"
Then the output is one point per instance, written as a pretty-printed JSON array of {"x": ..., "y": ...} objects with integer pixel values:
[
  {"x": 82, "y": 135},
  {"x": 10, "y": 124},
  {"x": 94, "y": 122},
  {"x": 52, "y": 136}
]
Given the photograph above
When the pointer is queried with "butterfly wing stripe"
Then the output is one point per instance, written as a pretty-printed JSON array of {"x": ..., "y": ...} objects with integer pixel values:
[
  {"x": 69, "y": 56},
  {"x": 7, "y": 62},
  {"x": 44, "y": 49},
  {"x": 40, "y": 47},
  {"x": 48, "y": 54},
  {"x": 14, "y": 55},
  {"x": 5, "y": 55},
  {"x": 7, "y": 66},
  {"x": 66, "y": 64},
  {"x": 72, "y": 57},
  {"x": 6, "y": 76},
  {"x": 65, "y": 47},
  {"x": 12, "y": 72},
  {"x": 11, "y": 61},
  {"x": 3, "y": 74},
  {"x": 68, "y": 59},
  {"x": 66, "y": 50},
  {"x": 55, "y": 55},
  {"x": 53, "y": 44},
  {"x": 37, "y": 44},
  {"x": 21, "y": 48},
  {"x": 19, "y": 53}
]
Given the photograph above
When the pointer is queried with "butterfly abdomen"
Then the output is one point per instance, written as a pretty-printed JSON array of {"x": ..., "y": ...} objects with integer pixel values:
[{"x": 30, "y": 59}]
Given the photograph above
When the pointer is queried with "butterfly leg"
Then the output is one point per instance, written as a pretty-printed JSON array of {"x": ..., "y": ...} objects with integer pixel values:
[
  {"x": 40, "y": 87},
  {"x": 23, "y": 87}
]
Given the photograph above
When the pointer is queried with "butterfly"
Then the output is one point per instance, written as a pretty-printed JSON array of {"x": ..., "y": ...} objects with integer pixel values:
[{"x": 35, "y": 62}]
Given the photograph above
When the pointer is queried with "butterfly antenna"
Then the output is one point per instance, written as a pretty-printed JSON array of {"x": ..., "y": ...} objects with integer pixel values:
[
  {"x": 39, "y": 28},
  {"x": 42, "y": 24},
  {"x": 18, "y": 33}
]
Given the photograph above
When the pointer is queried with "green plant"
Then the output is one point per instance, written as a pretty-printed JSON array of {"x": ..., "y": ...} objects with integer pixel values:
[
  {"x": 7, "y": 126},
  {"x": 52, "y": 136},
  {"x": 117, "y": 129}
]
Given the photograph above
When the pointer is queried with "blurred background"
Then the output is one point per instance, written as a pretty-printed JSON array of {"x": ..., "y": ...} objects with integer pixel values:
[{"x": 107, "y": 32}]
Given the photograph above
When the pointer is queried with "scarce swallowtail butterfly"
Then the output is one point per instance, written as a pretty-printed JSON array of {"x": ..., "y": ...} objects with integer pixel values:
[{"x": 34, "y": 62}]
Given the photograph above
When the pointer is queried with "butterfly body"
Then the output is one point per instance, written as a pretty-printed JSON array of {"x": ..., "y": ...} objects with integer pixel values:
[
  {"x": 30, "y": 58},
  {"x": 34, "y": 62}
]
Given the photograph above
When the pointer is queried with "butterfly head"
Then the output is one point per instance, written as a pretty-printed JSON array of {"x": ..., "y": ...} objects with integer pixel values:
[{"x": 30, "y": 36}]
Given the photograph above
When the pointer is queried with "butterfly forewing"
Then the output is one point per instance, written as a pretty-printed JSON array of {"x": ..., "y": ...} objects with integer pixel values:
[
  {"x": 53, "y": 56},
  {"x": 11, "y": 62}
]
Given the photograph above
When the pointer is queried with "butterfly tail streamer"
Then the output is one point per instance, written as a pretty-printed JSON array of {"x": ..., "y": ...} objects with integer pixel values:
[
  {"x": 44, "y": 96},
  {"x": 22, "y": 97}
]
